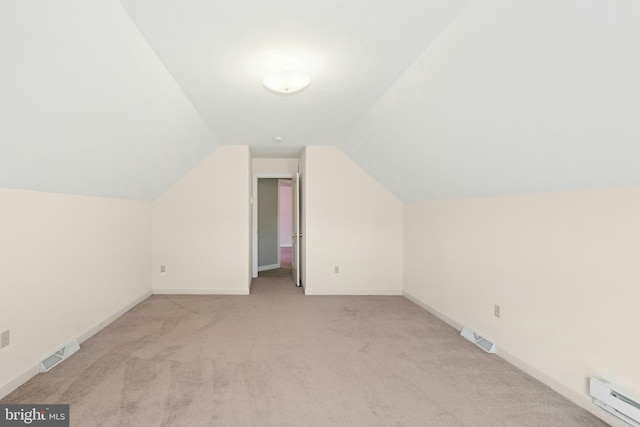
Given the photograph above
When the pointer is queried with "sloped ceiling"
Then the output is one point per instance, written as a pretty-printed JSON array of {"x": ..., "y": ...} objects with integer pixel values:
[
  {"x": 86, "y": 107},
  {"x": 513, "y": 97},
  {"x": 434, "y": 98}
]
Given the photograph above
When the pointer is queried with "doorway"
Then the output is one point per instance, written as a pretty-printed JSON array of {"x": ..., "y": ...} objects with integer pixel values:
[
  {"x": 274, "y": 227},
  {"x": 276, "y": 222}
]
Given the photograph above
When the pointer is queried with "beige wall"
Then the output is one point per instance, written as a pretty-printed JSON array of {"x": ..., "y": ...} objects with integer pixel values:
[
  {"x": 277, "y": 166},
  {"x": 201, "y": 228},
  {"x": 68, "y": 265},
  {"x": 563, "y": 267},
  {"x": 351, "y": 221}
]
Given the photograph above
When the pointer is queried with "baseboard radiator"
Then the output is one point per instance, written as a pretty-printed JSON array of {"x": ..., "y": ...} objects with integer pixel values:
[
  {"x": 58, "y": 356},
  {"x": 615, "y": 400}
]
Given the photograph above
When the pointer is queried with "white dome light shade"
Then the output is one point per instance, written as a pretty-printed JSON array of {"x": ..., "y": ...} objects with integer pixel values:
[{"x": 286, "y": 82}]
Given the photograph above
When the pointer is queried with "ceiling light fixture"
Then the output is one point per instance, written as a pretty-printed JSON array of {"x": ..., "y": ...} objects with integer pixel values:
[
  {"x": 287, "y": 71},
  {"x": 286, "y": 82}
]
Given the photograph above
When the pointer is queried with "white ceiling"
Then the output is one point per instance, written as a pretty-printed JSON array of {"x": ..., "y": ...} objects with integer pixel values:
[
  {"x": 513, "y": 97},
  {"x": 434, "y": 98},
  {"x": 215, "y": 52}
]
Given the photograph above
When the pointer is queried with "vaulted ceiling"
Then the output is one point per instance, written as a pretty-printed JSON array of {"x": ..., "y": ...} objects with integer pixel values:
[{"x": 434, "y": 98}]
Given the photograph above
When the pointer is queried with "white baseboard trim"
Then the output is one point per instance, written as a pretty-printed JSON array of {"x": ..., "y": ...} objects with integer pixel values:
[
  {"x": 579, "y": 399},
  {"x": 201, "y": 291},
  {"x": 110, "y": 319},
  {"x": 268, "y": 267},
  {"x": 35, "y": 370},
  {"x": 354, "y": 292},
  {"x": 19, "y": 380},
  {"x": 446, "y": 319}
]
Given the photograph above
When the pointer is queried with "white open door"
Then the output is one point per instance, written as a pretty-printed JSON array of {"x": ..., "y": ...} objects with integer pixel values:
[{"x": 295, "y": 229}]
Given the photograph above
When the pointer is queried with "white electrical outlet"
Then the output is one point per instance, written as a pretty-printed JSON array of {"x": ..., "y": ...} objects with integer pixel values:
[
  {"x": 336, "y": 269},
  {"x": 496, "y": 310},
  {"x": 5, "y": 339}
]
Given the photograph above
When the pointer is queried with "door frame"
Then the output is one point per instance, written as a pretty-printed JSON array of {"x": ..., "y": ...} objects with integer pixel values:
[{"x": 254, "y": 231}]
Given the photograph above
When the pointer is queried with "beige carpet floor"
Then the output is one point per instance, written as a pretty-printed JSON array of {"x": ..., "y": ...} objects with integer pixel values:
[
  {"x": 276, "y": 272},
  {"x": 279, "y": 358}
]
